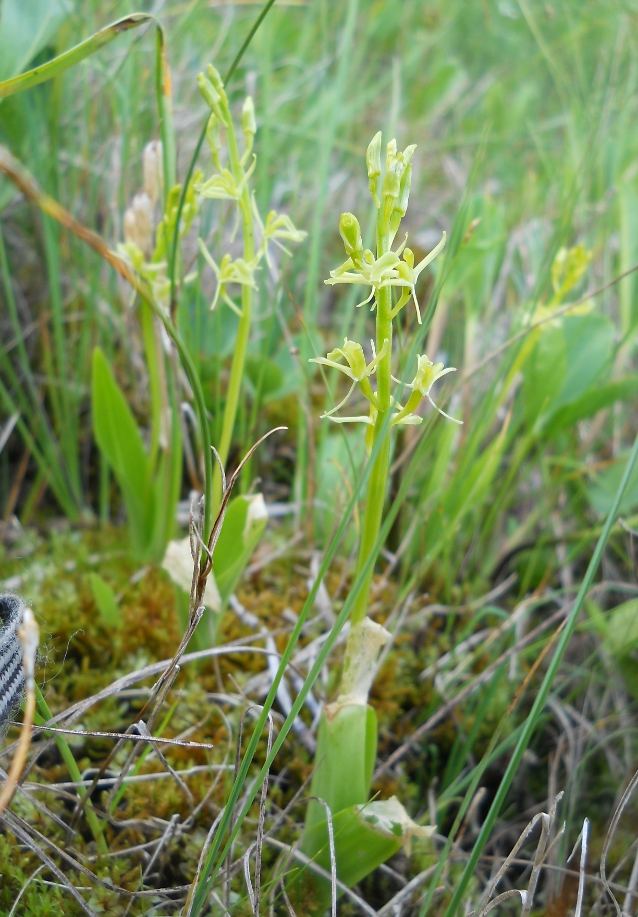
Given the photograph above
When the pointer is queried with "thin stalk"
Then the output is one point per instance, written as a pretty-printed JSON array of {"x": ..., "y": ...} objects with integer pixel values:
[
  {"x": 154, "y": 378},
  {"x": 243, "y": 331}
]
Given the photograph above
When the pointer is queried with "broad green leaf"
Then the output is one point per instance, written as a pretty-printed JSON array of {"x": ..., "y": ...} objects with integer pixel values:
[
  {"x": 593, "y": 400},
  {"x": 105, "y": 600},
  {"x": 628, "y": 212},
  {"x": 26, "y": 27},
  {"x": 339, "y": 454},
  {"x": 621, "y": 639},
  {"x": 589, "y": 341},
  {"x": 119, "y": 438},
  {"x": 544, "y": 372},
  {"x": 346, "y": 750},
  {"x": 604, "y": 486},
  {"x": 596, "y": 616},
  {"x": 569, "y": 356},
  {"x": 244, "y": 524},
  {"x": 365, "y": 836},
  {"x": 622, "y": 629}
]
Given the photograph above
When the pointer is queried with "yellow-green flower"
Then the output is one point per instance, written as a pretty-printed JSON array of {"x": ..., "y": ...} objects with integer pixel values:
[
  {"x": 387, "y": 271},
  {"x": 229, "y": 271},
  {"x": 427, "y": 374},
  {"x": 356, "y": 369}
]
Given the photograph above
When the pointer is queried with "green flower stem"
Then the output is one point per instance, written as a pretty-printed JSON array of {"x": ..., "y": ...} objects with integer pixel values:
[
  {"x": 154, "y": 375},
  {"x": 243, "y": 331},
  {"x": 377, "y": 484}
]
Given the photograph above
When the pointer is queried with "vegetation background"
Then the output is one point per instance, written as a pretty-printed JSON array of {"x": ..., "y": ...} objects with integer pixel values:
[{"x": 524, "y": 116}]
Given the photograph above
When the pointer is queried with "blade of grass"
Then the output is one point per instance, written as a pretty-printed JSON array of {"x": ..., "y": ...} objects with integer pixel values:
[{"x": 74, "y": 55}]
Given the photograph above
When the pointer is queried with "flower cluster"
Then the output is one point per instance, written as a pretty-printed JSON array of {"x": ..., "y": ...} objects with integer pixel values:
[
  {"x": 389, "y": 270},
  {"x": 356, "y": 369},
  {"x": 232, "y": 184}
]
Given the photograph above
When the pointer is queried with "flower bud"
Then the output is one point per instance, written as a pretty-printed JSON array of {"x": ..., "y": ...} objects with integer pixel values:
[
  {"x": 350, "y": 232},
  {"x": 373, "y": 162},
  {"x": 212, "y": 136},
  {"x": 391, "y": 189},
  {"x": 401, "y": 205},
  {"x": 248, "y": 124},
  {"x": 390, "y": 153},
  {"x": 392, "y": 180},
  {"x": 216, "y": 80},
  {"x": 208, "y": 91},
  {"x": 408, "y": 153},
  {"x": 153, "y": 170}
]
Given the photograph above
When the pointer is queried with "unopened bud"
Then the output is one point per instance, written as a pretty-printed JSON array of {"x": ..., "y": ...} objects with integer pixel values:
[
  {"x": 391, "y": 190},
  {"x": 401, "y": 205},
  {"x": 212, "y": 136},
  {"x": 392, "y": 181},
  {"x": 208, "y": 91},
  {"x": 390, "y": 153},
  {"x": 153, "y": 170},
  {"x": 408, "y": 153},
  {"x": 350, "y": 232},
  {"x": 248, "y": 123},
  {"x": 215, "y": 78},
  {"x": 373, "y": 163}
]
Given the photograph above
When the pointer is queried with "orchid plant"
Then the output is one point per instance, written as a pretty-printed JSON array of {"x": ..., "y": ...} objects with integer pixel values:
[
  {"x": 365, "y": 833},
  {"x": 389, "y": 270}
]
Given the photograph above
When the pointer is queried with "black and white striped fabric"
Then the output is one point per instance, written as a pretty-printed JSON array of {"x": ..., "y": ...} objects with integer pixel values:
[{"x": 11, "y": 670}]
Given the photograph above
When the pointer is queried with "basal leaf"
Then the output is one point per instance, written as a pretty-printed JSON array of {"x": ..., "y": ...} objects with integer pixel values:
[
  {"x": 119, "y": 438},
  {"x": 604, "y": 486},
  {"x": 593, "y": 400}
]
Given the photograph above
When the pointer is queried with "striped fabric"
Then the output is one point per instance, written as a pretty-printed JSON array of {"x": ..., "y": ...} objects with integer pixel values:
[{"x": 11, "y": 671}]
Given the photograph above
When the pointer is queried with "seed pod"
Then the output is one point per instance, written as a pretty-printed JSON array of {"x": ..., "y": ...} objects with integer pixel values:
[{"x": 11, "y": 669}]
